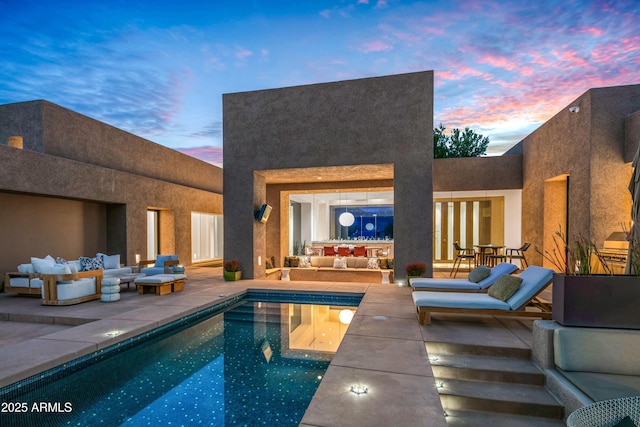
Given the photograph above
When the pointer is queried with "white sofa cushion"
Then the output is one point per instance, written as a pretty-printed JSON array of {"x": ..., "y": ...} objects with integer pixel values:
[
  {"x": 76, "y": 289},
  {"x": 40, "y": 263},
  {"x": 608, "y": 351},
  {"x": 26, "y": 268},
  {"x": 118, "y": 272},
  {"x": 109, "y": 261}
]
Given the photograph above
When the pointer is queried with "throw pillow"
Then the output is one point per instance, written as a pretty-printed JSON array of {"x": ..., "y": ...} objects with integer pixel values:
[
  {"x": 340, "y": 262},
  {"x": 383, "y": 263},
  {"x": 294, "y": 261},
  {"x": 26, "y": 268},
  {"x": 40, "y": 263},
  {"x": 505, "y": 287},
  {"x": 88, "y": 264},
  {"x": 304, "y": 262},
  {"x": 390, "y": 263},
  {"x": 109, "y": 261},
  {"x": 268, "y": 264},
  {"x": 479, "y": 273},
  {"x": 373, "y": 263},
  {"x": 60, "y": 260}
]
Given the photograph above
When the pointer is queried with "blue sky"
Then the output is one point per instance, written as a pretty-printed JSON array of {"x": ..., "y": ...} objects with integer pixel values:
[{"x": 159, "y": 69}]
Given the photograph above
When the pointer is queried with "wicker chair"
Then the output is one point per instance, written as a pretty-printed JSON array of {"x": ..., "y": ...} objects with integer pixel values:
[{"x": 606, "y": 413}]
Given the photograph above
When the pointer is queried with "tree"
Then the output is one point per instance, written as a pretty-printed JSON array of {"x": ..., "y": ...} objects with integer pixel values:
[{"x": 465, "y": 143}]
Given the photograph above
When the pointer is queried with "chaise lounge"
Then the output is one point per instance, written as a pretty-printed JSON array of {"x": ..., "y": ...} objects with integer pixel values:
[
  {"x": 534, "y": 280},
  {"x": 463, "y": 285}
]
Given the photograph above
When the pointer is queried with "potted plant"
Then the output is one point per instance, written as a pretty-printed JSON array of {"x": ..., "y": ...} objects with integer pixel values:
[
  {"x": 232, "y": 270},
  {"x": 415, "y": 269},
  {"x": 582, "y": 298}
]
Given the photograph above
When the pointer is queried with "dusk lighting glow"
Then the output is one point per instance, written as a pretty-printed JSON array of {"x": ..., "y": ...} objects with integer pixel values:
[{"x": 159, "y": 69}]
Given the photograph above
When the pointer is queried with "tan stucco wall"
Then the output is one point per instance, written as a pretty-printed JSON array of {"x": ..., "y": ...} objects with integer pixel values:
[
  {"x": 631, "y": 135},
  {"x": 382, "y": 120},
  {"x": 123, "y": 195},
  {"x": 74, "y": 136},
  {"x": 589, "y": 147},
  {"x": 477, "y": 173}
]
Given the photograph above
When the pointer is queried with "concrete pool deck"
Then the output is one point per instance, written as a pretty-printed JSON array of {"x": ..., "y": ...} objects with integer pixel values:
[{"x": 384, "y": 347}]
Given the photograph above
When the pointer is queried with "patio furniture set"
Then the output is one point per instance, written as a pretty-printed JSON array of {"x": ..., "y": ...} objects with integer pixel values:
[
  {"x": 61, "y": 282},
  {"x": 487, "y": 254}
]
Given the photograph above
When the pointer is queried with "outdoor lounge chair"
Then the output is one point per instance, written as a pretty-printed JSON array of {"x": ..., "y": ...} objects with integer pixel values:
[
  {"x": 534, "y": 280},
  {"x": 462, "y": 285}
]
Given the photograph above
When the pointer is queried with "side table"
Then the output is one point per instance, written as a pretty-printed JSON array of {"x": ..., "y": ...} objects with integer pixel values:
[{"x": 110, "y": 289}]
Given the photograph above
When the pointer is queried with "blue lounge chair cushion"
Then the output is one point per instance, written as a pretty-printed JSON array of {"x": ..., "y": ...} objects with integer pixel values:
[
  {"x": 472, "y": 301},
  {"x": 464, "y": 284},
  {"x": 533, "y": 280}
]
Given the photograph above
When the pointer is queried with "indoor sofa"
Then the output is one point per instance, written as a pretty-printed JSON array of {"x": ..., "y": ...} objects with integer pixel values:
[{"x": 341, "y": 269}]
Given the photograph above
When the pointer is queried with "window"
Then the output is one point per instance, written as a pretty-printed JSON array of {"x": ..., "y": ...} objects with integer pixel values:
[{"x": 206, "y": 237}]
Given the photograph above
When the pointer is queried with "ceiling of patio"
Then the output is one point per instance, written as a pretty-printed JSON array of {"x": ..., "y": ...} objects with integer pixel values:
[{"x": 328, "y": 174}]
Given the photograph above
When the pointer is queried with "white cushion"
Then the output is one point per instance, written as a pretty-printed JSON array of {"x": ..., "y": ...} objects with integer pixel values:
[
  {"x": 373, "y": 263},
  {"x": 340, "y": 262},
  {"x": 110, "y": 261},
  {"x": 76, "y": 289},
  {"x": 39, "y": 263},
  {"x": 26, "y": 268},
  {"x": 55, "y": 269}
]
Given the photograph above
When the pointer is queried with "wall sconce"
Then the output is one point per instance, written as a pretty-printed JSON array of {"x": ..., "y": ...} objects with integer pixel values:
[
  {"x": 575, "y": 109},
  {"x": 137, "y": 258}
]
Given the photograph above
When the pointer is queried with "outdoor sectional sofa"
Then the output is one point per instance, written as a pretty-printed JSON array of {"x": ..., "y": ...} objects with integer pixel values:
[
  {"x": 61, "y": 282},
  {"x": 330, "y": 268},
  {"x": 586, "y": 365}
]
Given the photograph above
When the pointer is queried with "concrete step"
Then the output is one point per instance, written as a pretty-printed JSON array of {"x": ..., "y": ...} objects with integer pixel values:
[
  {"x": 485, "y": 368},
  {"x": 480, "y": 418},
  {"x": 444, "y": 348},
  {"x": 521, "y": 399}
]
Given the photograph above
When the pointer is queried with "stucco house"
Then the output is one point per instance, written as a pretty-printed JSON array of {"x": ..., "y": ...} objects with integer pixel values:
[{"x": 71, "y": 185}]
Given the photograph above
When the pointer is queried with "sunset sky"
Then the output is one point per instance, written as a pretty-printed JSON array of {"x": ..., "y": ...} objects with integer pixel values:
[{"x": 158, "y": 69}]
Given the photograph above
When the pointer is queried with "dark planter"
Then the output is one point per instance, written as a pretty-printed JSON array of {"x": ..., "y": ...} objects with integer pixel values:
[
  {"x": 597, "y": 301},
  {"x": 231, "y": 276}
]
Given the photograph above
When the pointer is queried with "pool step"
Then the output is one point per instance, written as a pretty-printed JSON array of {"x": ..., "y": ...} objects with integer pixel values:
[
  {"x": 485, "y": 368},
  {"x": 269, "y": 313},
  {"x": 491, "y": 385},
  {"x": 478, "y": 418}
]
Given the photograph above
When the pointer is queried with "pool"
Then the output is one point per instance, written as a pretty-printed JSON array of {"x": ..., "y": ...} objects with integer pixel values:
[{"x": 253, "y": 360}]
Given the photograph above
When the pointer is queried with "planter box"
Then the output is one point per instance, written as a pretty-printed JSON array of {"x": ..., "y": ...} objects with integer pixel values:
[
  {"x": 597, "y": 301},
  {"x": 231, "y": 276}
]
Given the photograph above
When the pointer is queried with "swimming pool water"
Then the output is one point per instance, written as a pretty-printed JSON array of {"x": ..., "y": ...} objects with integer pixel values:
[{"x": 211, "y": 373}]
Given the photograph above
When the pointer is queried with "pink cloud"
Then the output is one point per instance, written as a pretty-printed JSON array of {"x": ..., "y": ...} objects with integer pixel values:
[
  {"x": 209, "y": 154},
  {"x": 243, "y": 53},
  {"x": 375, "y": 46}
]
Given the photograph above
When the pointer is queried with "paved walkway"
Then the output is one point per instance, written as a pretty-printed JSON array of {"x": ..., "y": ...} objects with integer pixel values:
[{"x": 384, "y": 347}]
